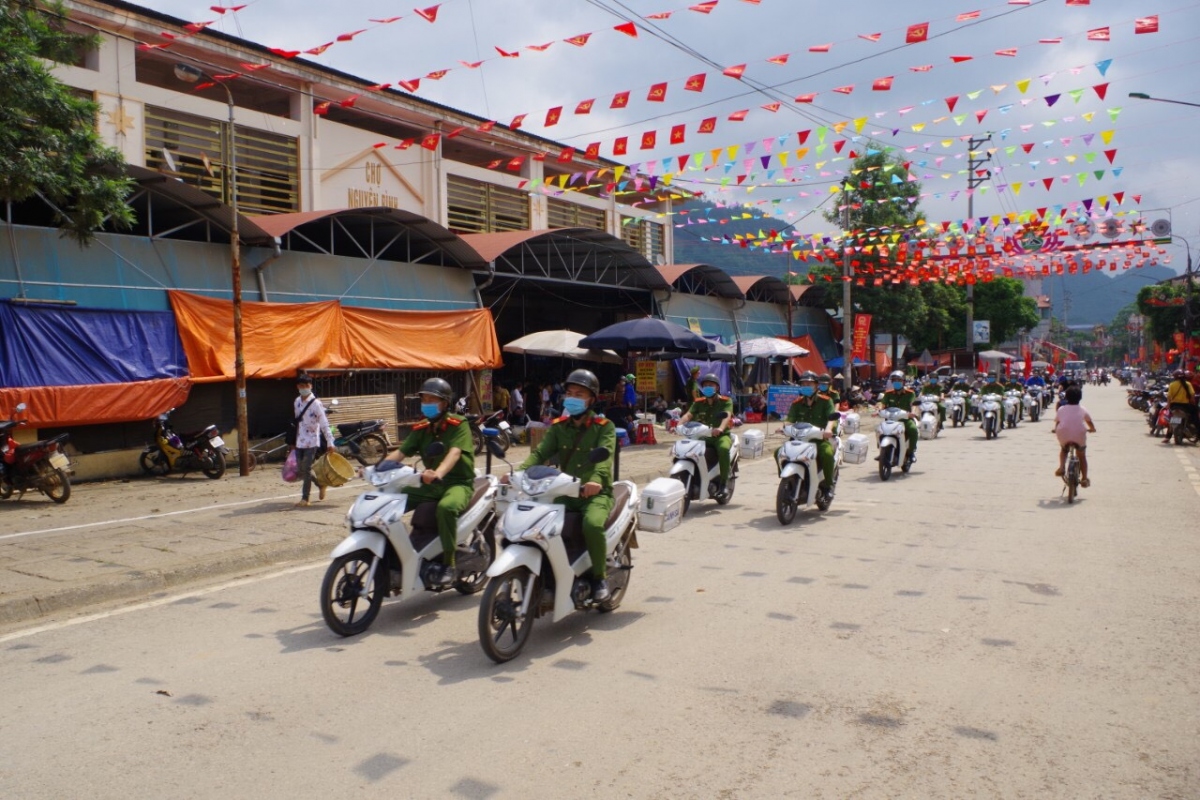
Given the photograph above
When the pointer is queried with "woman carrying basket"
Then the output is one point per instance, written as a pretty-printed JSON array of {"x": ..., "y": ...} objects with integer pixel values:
[{"x": 312, "y": 434}]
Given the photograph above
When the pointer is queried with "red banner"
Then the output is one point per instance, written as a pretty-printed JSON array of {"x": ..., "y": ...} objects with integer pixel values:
[
  {"x": 1179, "y": 342},
  {"x": 862, "y": 327}
]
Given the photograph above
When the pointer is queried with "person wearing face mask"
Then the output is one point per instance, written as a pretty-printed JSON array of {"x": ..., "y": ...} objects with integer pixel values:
[
  {"x": 708, "y": 409},
  {"x": 897, "y": 396},
  {"x": 933, "y": 388},
  {"x": 313, "y": 434},
  {"x": 815, "y": 408},
  {"x": 449, "y": 478},
  {"x": 825, "y": 387},
  {"x": 571, "y": 439}
]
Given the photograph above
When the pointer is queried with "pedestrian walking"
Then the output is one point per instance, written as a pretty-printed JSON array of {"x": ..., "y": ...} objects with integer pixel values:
[{"x": 313, "y": 435}]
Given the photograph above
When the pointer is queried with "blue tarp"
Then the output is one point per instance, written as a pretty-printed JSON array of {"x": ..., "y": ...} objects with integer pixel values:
[
  {"x": 683, "y": 369},
  {"x": 51, "y": 346}
]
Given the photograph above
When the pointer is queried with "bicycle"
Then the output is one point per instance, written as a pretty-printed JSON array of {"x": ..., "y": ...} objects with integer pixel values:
[{"x": 1071, "y": 472}]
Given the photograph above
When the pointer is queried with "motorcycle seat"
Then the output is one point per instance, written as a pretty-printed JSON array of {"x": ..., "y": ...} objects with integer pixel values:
[
  {"x": 25, "y": 449},
  {"x": 620, "y": 500},
  {"x": 349, "y": 428},
  {"x": 8, "y": 425},
  {"x": 195, "y": 436},
  {"x": 481, "y": 487}
]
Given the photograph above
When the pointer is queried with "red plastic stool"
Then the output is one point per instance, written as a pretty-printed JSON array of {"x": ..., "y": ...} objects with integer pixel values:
[{"x": 644, "y": 433}]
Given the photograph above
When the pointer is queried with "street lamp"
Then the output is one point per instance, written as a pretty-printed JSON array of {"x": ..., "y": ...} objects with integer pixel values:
[
  {"x": 1144, "y": 96},
  {"x": 190, "y": 74}
]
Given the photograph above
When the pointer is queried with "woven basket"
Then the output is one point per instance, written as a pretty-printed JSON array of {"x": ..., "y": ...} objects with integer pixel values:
[{"x": 332, "y": 469}]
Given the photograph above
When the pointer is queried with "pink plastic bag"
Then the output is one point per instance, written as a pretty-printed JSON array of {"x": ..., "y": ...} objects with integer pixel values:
[{"x": 291, "y": 470}]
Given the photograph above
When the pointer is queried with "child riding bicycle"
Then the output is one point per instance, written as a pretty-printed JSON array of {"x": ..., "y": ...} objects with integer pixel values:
[{"x": 1072, "y": 423}]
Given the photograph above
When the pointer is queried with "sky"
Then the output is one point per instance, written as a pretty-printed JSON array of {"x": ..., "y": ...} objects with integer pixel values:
[{"x": 866, "y": 41}]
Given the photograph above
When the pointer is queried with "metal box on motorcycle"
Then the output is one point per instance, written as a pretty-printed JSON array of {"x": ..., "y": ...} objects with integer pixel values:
[
  {"x": 752, "y": 444},
  {"x": 855, "y": 451},
  {"x": 660, "y": 507},
  {"x": 851, "y": 422}
]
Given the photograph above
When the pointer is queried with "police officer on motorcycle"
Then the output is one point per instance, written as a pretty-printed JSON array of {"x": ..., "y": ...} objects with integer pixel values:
[
  {"x": 897, "y": 396},
  {"x": 815, "y": 407},
  {"x": 709, "y": 409},
  {"x": 572, "y": 438}
]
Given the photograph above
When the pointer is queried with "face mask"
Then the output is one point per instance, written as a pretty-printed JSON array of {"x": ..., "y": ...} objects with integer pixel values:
[
  {"x": 808, "y": 391},
  {"x": 430, "y": 410},
  {"x": 708, "y": 391},
  {"x": 305, "y": 392},
  {"x": 897, "y": 384},
  {"x": 574, "y": 406},
  {"x": 824, "y": 387}
]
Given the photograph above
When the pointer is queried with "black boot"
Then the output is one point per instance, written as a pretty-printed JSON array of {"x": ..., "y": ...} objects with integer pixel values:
[{"x": 600, "y": 591}]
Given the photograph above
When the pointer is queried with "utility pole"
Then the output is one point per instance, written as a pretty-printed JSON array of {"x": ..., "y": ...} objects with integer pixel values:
[
  {"x": 847, "y": 310},
  {"x": 976, "y": 176}
]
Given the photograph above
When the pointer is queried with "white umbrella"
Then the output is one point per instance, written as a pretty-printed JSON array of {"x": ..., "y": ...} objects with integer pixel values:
[
  {"x": 769, "y": 346},
  {"x": 996, "y": 355},
  {"x": 561, "y": 343}
]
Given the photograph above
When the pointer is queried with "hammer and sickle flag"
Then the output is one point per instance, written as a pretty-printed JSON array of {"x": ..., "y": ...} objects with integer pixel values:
[
  {"x": 658, "y": 93},
  {"x": 917, "y": 33}
]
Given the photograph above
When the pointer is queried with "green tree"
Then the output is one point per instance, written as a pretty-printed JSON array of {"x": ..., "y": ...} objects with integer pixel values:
[
  {"x": 48, "y": 139},
  {"x": 1163, "y": 307},
  {"x": 1003, "y": 303}
]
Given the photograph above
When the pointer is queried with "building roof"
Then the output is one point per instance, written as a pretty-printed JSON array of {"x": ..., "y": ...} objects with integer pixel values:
[
  {"x": 197, "y": 202},
  {"x": 768, "y": 288},
  {"x": 573, "y": 254},
  {"x": 715, "y": 279}
]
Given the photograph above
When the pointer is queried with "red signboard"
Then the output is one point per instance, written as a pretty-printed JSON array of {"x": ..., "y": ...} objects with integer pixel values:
[{"x": 862, "y": 327}]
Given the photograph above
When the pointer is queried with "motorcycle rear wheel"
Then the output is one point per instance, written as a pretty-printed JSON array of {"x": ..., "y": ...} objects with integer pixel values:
[
  {"x": 154, "y": 463},
  {"x": 618, "y": 582},
  {"x": 213, "y": 465},
  {"x": 885, "y": 462},
  {"x": 473, "y": 582},
  {"x": 372, "y": 449},
  {"x": 6, "y": 490},
  {"x": 59, "y": 489},
  {"x": 477, "y": 438},
  {"x": 785, "y": 502},
  {"x": 340, "y": 592},
  {"x": 503, "y": 630}
]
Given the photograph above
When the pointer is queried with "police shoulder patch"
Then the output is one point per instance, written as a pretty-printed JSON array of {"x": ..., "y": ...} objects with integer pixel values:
[
  {"x": 602, "y": 420},
  {"x": 455, "y": 421},
  {"x": 420, "y": 425}
]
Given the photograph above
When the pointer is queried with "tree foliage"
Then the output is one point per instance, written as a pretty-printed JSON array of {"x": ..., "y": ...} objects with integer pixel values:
[
  {"x": 1163, "y": 306},
  {"x": 1003, "y": 303},
  {"x": 48, "y": 139}
]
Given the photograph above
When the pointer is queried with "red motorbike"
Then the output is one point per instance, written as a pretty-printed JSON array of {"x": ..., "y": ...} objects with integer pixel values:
[{"x": 42, "y": 465}]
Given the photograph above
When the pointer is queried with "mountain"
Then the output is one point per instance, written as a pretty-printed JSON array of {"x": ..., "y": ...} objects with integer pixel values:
[
  {"x": 1092, "y": 300},
  {"x": 699, "y": 222}
]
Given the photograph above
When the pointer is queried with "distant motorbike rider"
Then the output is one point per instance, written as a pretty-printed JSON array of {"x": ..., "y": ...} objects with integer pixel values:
[
  {"x": 896, "y": 396},
  {"x": 1182, "y": 397},
  {"x": 934, "y": 389},
  {"x": 449, "y": 478},
  {"x": 572, "y": 438},
  {"x": 992, "y": 385},
  {"x": 959, "y": 384},
  {"x": 815, "y": 408},
  {"x": 708, "y": 410}
]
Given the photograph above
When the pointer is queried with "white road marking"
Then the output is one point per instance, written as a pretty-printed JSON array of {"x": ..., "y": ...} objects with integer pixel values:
[
  {"x": 101, "y": 523},
  {"x": 161, "y": 601}
]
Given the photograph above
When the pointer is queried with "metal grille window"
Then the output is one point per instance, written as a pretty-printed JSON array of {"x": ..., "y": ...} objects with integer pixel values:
[
  {"x": 632, "y": 233},
  {"x": 562, "y": 214},
  {"x": 478, "y": 207},
  {"x": 655, "y": 243},
  {"x": 196, "y": 149}
]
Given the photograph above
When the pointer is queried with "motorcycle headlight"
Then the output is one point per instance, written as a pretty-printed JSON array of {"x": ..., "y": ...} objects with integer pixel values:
[{"x": 535, "y": 487}]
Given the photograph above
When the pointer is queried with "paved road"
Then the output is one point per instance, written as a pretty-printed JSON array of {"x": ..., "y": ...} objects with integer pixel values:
[{"x": 958, "y": 632}]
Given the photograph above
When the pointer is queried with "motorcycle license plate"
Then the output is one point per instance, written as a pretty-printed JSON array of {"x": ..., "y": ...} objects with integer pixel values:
[
  {"x": 504, "y": 426},
  {"x": 1176, "y": 420},
  {"x": 217, "y": 441},
  {"x": 58, "y": 461}
]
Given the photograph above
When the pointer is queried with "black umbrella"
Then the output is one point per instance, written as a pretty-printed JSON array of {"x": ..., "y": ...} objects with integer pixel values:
[{"x": 647, "y": 333}]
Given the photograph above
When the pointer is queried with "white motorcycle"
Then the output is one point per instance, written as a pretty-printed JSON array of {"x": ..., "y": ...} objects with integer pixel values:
[
  {"x": 892, "y": 443},
  {"x": 544, "y": 566},
  {"x": 1033, "y": 403},
  {"x": 382, "y": 555},
  {"x": 1012, "y": 408},
  {"x": 800, "y": 473},
  {"x": 696, "y": 467},
  {"x": 929, "y": 424},
  {"x": 957, "y": 411},
  {"x": 976, "y": 406},
  {"x": 990, "y": 407}
]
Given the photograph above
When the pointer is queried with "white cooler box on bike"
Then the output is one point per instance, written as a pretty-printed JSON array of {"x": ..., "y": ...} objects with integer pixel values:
[
  {"x": 851, "y": 423},
  {"x": 855, "y": 451},
  {"x": 752, "y": 445},
  {"x": 660, "y": 507}
]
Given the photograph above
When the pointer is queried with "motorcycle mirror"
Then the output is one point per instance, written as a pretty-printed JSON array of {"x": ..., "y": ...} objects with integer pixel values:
[
  {"x": 599, "y": 454},
  {"x": 494, "y": 448},
  {"x": 434, "y": 450},
  {"x": 333, "y": 402},
  {"x": 21, "y": 407}
]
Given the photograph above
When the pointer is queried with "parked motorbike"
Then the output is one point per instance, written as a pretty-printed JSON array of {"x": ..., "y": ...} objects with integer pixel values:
[
  {"x": 382, "y": 555},
  {"x": 1158, "y": 414},
  {"x": 41, "y": 465},
  {"x": 544, "y": 566},
  {"x": 1182, "y": 427},
  {"x": 365, "y": 441},
  {"x": 957, "y": 412},
  {"x": 990, "y": 409},
  {"x": 497, "y": 420},
  {"x": 799, "y": 472},
  {"x": 892, "y": 443},
  {"x": 202, "y": 450},
  {"x": 695, "y": 465}
]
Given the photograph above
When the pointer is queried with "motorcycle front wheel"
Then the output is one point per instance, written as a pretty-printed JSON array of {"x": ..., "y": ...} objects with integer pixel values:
[
  {"x": 346, "y": 611},
  {"x": 726, "y": 493},
  {"x": 885, "y": 462},
  {"x": 372, "y": 449},
  {"x": 503, "y": 629},
  {"x": 686, "y": 479},
  {"x": 785, "y": 500},
  {"x": 477, "y": 438},
  {"x": 212, "y": 464},
  {"x": 154, "y": 463}
]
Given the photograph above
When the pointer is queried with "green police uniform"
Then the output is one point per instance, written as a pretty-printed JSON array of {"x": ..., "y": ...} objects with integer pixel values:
[
  {"x": 933, "y": 388},
  {"x": 708, "y": 410},
  {"x": 454, "y": 492},
  {"x": 816, "y": 411},
  {"x": 961, "y": 386},
  {"x": 573, "y": 444},
  {"x": 903, "y": 399},
  {"x": 993, "y": 387}
]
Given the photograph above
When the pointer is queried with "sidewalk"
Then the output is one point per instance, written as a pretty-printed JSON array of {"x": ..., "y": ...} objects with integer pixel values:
[{"x": 124, "y": 541}]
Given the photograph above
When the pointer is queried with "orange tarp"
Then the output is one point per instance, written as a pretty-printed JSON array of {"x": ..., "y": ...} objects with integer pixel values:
[
  {"x": 283, "y": 338},
  {"x": 94, "y": 404},
  {"x": 811, "y": 361}
]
